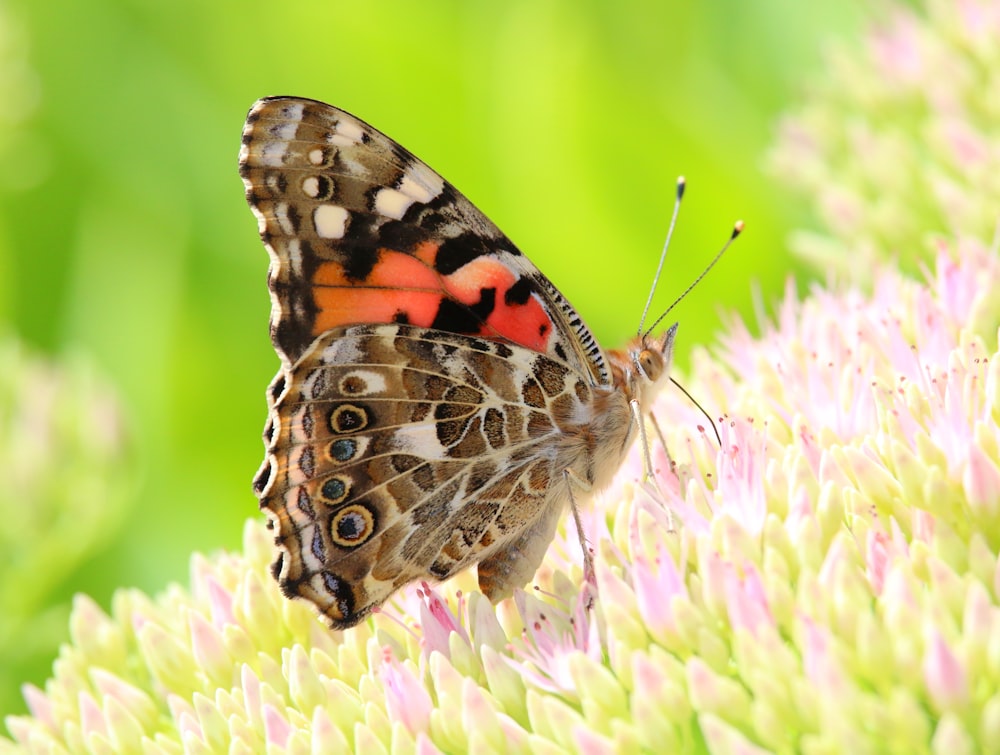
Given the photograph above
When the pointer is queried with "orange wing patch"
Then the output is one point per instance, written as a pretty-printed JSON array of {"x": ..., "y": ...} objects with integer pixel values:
[
  {"x": 523, "y": 322},
  {"x": 405, "y": 287}
]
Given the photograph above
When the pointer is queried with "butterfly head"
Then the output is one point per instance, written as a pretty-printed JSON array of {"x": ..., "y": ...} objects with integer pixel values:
[{"x": 646, "y": 367}]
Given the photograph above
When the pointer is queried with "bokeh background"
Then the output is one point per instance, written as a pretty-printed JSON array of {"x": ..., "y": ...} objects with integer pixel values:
[{"x": 127, "y": 251}]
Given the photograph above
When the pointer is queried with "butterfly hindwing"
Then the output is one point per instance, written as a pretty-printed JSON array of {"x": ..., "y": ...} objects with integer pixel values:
[{"x": 399, "y": 453}]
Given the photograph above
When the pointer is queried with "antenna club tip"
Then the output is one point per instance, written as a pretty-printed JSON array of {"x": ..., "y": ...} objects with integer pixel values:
[
  {"x": 737, "y": 228},
  {"x": 681, "y": 183}
]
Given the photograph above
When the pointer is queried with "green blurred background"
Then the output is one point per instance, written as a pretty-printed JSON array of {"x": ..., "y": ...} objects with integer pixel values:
[{"x": 124, "y": 234}]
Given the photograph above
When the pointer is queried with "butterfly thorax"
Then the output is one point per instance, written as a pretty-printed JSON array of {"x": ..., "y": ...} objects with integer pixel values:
[{"x": 593, "y": 445}]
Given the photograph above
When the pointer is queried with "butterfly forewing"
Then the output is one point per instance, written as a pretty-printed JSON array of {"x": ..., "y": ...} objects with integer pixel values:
[{"x": 360, "y": 230}]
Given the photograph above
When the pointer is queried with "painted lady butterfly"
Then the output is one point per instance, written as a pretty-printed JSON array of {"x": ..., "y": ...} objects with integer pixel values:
[{"x": 439, "y": 402}]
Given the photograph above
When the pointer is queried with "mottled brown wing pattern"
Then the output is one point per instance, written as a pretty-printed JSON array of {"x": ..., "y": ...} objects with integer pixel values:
[{"x": 397, "y": 453}]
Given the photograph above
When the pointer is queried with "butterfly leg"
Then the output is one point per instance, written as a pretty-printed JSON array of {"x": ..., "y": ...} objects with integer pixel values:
[
  {"x": 589, "y": 575},
  {"x": 647, "y": 460}
]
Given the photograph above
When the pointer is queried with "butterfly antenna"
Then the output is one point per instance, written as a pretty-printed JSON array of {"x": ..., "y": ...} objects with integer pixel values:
[
  {"x": 701, "y": 409},
  {"x": 737, "y": 230},
  {"x": 681, "y": 183}
]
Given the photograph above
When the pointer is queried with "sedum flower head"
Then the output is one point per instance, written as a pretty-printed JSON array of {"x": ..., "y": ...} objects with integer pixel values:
[
  {"x": 833, "y": 586},
  {"x": 898, "y": 141}
]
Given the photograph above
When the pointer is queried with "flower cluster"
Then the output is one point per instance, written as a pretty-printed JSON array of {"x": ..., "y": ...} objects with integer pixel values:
[
  {"x": 898, "y": 141},
  {"x": 832, "y": 584}
]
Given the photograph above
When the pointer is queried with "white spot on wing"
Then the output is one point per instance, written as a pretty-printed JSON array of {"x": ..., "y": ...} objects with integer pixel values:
[
  {"x": 340, "y": 351},
  {"x": 362, "y": 445},
  {"x": 310, "y": 186},
  {"x": 293, "y": 111},
  {"x": 281, "y": 215},
  {"x": 330, "y": 221},
  {"x": 421, "y": 184},
  {"x": 316, "y": 156},
  {"x": 294, "y": 254},
  {"x": 392, "y": 203},
  {"x": 273, "y": 154},
  {"x": 420, "y": 440},
  {"x": 286, "y": 131},
  {"x": 373, "y": 382},
  {"x": 351, "y": 130}
]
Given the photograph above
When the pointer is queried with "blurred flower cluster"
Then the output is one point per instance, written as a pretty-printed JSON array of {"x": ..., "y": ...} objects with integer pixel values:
[
  {"x": 64, "y": 457},
  {"x": 897, "y": 143},
  {"x": 832, "y": 583}
]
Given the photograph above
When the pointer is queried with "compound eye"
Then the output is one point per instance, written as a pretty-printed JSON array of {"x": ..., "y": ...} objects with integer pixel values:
[{"x": 650, "y": 363}]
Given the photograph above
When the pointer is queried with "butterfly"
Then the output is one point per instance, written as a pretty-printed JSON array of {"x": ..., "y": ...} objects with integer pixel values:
[{"x": 439, "y": 402}]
